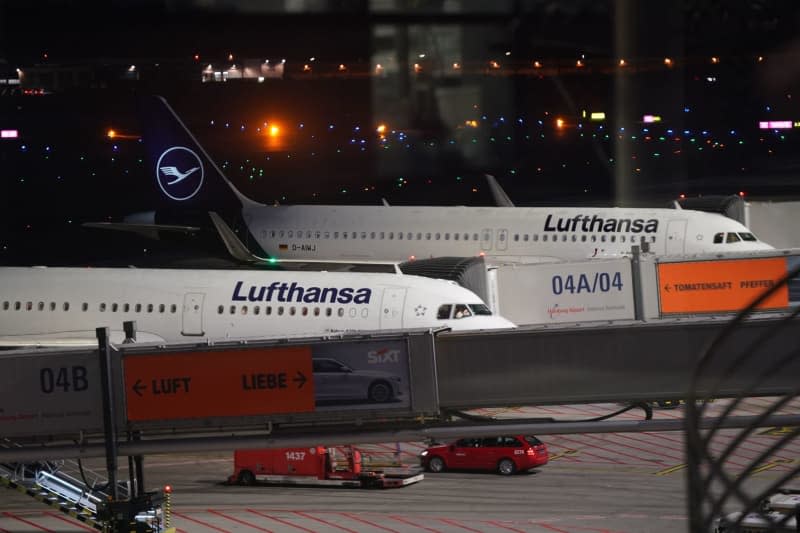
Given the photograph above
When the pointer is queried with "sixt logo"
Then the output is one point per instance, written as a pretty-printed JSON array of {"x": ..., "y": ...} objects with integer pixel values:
[
  {"x": 383, "y": 355},
  {"x": 179, "y": 173},
  {"x": 292, "y": 292},
  {"x": 596, "y": 224}
]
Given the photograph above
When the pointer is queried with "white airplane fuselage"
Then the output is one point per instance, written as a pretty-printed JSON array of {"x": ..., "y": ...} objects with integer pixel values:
[
  {"x": 523, "y": 234},
  {"x": 60, "y": 306}
]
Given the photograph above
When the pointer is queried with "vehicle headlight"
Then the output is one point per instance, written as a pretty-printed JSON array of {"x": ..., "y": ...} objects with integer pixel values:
[{"x": 423, "y": 453}]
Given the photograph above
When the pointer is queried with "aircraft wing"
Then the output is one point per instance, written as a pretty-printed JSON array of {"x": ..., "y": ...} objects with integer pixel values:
[
  {"x": 240, "y": 252},
  {"x": 146, "y": 230}
]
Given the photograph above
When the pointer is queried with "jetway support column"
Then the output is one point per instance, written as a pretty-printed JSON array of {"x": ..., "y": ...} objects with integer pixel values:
[{"x": 109, "y": 425}]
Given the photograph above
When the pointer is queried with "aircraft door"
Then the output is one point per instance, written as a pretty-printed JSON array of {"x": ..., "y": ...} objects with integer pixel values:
[
  {"x": 676, "y": 237},
  {"x": 392, "y": 308},
  {"x": 486, "y": 239},
  {"x": 193, "y": 313},
  {"x": 502, "y": 239}
]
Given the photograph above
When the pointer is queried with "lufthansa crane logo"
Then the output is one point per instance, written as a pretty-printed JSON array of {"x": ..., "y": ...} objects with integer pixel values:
[{"x": 179, "y": 173}]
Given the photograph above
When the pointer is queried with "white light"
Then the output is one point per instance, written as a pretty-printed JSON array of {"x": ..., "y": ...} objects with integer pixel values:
[
  {"x": 9, "y": 134},
  {"x": 312, "y": 59},
  {"x": 422, "y": 56}
]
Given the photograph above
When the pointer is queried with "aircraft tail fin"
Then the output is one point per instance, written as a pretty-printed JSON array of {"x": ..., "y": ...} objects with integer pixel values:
[{"x": 184, "y": 173}]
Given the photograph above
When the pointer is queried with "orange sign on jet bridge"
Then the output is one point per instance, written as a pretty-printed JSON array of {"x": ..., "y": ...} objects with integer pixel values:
[
  {"x": 247, "y": 382},
  {"x": 720, "y": 286}
]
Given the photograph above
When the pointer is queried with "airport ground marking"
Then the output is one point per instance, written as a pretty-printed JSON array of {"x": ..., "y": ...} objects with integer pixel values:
[
  {"x": 565, "y": 453},
  {"x": 670, "y": 470},
  {"x": 772, "y": 464}
]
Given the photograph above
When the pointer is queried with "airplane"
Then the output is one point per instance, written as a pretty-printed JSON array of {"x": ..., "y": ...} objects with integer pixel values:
[
  {"x": 402, "y": 233},
  {"x": 63, "y": 306}
]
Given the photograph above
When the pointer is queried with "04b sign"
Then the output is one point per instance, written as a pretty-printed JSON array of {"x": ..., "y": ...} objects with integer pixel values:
[{"x": 720, "y": 286}]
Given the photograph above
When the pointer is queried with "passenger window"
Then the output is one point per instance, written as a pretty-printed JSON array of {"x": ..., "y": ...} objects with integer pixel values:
[
  {"x": 594, "y": 238},
  {"x": 29, "y": 306},
  {"x": 444, "y": 311},
  {"x": 427, "y": 236},
  {"x": 5, "y": 306},
  {"x": 602, "y": 238},
  {"x": 391, "y": 235},
  {"x": 162, "y": 308},
  {"x": 268, "y": 310},
  {"x": 280, "y": 310},
  {"x": 544, "y": 237},
  {"x": 328, "y": 311},
  {"x": 126, "y": 307},
  {"x": 256, "y": 309},
  {"x": 354, "y": 235},
  {"x": 85, "y": 306},
  {"x": 409, "y": 236},
  {"x": 233, "y": 310},
  {"x": 574, "y": 238},
  {"x": 281, "y": 234},
  {"x": 327, "y": 234},
  {"x": 475, "y": 237},
  {"x": 149, "y": 308},
  {"x": 138, "y": 308},
  {"x": 525, "y": 237},
  {"x": 290, "y": 234},
  {"x": 365, "y": 312},
  {"x": 535, "y": 237},
  {"x": 400, "y": 235},
  {"x": 447, "y": 236},
  {"x": 456, "y": 236},
  {"x": 244, "y": 310},
  {"x": 41, "y": 306},
  {"x": 304, "y": 312},
  {"x": 66, "y": 306},
  {"x": 52, "y": 306},
  {"x": 114, "y": 307},
  {"x": 419, "y": 236},
  {"x": 316, "y": 311},
  {"x": 340, "y": 311},
  {"x": 316, "y": 234},
  {"x": 292, "y": 311},
  {"x": 613, "y": 238},
  {"x": 220, "y": 309},
  {"x": 335, "y": 234},
  {"x": 363, "y": 234},
  {"x": 381, "y": 235},
  {"x": 438, "y": 236},
  {"x": 173, "y": 308}
]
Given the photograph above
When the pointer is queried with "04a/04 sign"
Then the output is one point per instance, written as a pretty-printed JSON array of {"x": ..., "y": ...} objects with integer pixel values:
[{"x": 49, "y": 394}]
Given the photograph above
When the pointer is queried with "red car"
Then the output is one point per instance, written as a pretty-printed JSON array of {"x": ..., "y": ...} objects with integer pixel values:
[{"x": 505, "y": 454}]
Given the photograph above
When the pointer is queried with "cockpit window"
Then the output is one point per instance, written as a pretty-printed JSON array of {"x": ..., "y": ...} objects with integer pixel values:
[
  {"x": 444, "y": 311},
  {"x": 732, "y": 237},
  {"x": 718, "y": 238},
  {"x": 480, "y": 309},
  {"x": 462, "y": 311},
  {"x": 748, "y": 237}
]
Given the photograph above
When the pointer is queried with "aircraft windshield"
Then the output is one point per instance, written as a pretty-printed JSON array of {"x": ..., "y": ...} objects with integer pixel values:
[{"x": 480, "y": 309}]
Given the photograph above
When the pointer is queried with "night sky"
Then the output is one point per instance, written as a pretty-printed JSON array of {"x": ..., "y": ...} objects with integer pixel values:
[{"x": 63, "y": 170}]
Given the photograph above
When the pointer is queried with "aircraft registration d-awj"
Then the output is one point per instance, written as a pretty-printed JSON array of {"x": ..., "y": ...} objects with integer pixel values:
[
  {"x": 42, "y": 306},
  {"x": 188, "y": 178}
]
